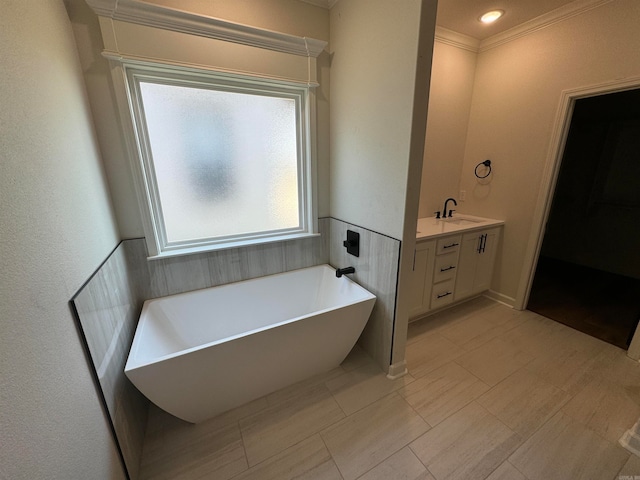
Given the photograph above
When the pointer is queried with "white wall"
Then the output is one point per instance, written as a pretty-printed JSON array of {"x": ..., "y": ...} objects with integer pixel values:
[
  {"x": 381, "y": 53},
  {"x": 56, "y": 228},
  {"x": 516, "y": 96},
  {"x": 373, "y": 65},
  {"x": 452, "y": 77}
]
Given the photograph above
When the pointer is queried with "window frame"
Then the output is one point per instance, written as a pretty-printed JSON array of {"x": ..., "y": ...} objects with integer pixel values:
[{"x": 304, "y": 97}]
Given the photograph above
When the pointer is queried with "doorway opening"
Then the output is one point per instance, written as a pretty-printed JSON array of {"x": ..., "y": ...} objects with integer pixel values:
[{"x": 588, "y": 271}]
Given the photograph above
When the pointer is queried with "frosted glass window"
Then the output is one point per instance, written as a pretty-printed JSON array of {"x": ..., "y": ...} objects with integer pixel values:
[
  {"x": 222, "y": 159},
  {"x": 225, "y": 163}
]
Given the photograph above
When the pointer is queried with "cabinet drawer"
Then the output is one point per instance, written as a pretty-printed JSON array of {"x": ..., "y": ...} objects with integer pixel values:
[
  {"x": 442, "y": 294},
  {"x": 448, "y": 244},
  {"x": 446, "y": 266}
]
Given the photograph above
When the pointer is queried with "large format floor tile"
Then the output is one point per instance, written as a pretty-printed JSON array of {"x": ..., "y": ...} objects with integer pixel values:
[
  {"x": 430, "y": 353},
  {"x": 301, "y": 389},
  {"x": 612, "y": 363},
  {"x": 523, "y": 402},
  {"x": 631, "y": 468},
  {"x": 285, "y": 424},
  {"x": 469, "y": 444},
  {"x": 494, "y": 361},
  {"x": 403, "y": 465},
  {"x": 447, "y": 318},
  {"x": 535, "y": 335},
  {"x": 356, "y": 358},
  {"x": 366, "y": 438},
  {"x": 506, "y": 471},
  {"x": 307, "y": 459},
  {"x": 564, "y": 448},
  {"x": 606, "y": 407},
  {"x": 362, "y": 386},
  {"x": 442, "y": 392},
  {"x": 184, "y": 451},
  {"x": 567, "y": 369},
  {"x": 475, "y": 330}
]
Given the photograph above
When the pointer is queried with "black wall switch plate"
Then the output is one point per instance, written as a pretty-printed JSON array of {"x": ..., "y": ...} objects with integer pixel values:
[{"x": 352, "y": 243}]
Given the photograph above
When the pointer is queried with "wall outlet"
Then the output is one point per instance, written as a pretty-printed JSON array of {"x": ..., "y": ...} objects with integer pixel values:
[{"x": 463, "y": 195}]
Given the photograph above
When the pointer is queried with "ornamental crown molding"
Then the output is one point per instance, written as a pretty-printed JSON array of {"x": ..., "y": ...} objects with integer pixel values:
[
  {"x": 455, "y": 39},
  {"x": 321, "y": 3},
  {"x": 143, "y": 13},
  {"x": 565, "y": 12}
]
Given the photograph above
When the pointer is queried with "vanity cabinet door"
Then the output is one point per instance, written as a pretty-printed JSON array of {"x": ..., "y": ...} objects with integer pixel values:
[
  {"x": 486, "y": 261},
  {"x": 475, "y": 266},
  {"x": 420, "y": 285}
]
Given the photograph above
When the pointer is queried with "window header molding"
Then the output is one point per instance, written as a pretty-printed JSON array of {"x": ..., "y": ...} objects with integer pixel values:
[
  {"x": 133, "y": 60},
  {"x": 143, "y": 13}
]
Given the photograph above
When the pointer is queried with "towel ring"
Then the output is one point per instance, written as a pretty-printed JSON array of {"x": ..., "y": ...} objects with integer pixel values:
[{"x": 486, "y": 163}]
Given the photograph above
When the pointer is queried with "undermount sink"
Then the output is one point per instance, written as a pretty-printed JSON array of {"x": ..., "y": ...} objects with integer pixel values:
[
  {"x": 431, "y": 227},
  {"x": 461, "y": 221}
]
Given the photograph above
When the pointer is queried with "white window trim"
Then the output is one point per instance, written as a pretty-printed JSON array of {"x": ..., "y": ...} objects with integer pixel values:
[{"x": 137, "y": 147}]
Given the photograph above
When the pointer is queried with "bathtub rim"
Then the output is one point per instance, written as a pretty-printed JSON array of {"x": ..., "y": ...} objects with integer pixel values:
[{"x": 368, "y": 296}]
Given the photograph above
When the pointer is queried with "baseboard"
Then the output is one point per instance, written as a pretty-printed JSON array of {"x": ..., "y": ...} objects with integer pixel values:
[
  {"x": 397, "y": 370},
  {"x": 500, "y": 298},
  {"x": 633, "y": 351}
]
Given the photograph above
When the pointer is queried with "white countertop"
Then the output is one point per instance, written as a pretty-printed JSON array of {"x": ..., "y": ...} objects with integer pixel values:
[{"x": 432, "y": 227}]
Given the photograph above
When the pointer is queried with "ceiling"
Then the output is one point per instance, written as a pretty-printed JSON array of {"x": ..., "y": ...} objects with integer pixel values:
[{"x": 462, "y": 15}]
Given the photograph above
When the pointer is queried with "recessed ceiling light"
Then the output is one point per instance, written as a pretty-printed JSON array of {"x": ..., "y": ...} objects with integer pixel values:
[{"x": 491, "y": 16}]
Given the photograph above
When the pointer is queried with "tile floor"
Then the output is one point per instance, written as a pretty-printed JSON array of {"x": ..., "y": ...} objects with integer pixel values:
[{"x": 492, "y": 393}]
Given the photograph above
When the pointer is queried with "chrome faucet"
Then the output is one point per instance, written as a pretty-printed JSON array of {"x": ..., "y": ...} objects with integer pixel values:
[{"x": 444, "y": 210}]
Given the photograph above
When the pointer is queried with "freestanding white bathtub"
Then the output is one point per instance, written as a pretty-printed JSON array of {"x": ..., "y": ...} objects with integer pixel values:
[{"x": 200, "y": 353}]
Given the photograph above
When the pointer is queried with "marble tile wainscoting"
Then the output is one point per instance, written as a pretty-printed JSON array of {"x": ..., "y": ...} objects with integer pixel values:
[
  {"x": 106, "y": 310},
  {"x": 377, "y": 271},
  {"x": 192, "y": 272}
]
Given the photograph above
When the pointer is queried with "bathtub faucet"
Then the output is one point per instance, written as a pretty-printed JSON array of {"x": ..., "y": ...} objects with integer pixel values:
[{"x": 344, "y": 271}]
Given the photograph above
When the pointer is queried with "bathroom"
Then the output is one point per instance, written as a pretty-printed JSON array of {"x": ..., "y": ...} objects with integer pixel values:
[{"x": 54, "y": 422}]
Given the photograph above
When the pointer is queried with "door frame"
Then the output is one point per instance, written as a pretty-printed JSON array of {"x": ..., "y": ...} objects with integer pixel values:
[{"x": 549, "y": 180}]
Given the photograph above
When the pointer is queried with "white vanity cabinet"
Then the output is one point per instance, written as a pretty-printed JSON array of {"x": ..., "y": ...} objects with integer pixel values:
[
  {"x": 420, "y": 285},
  {"x": 475, "y": 266},
  {"x": 453, "y": 260}
]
